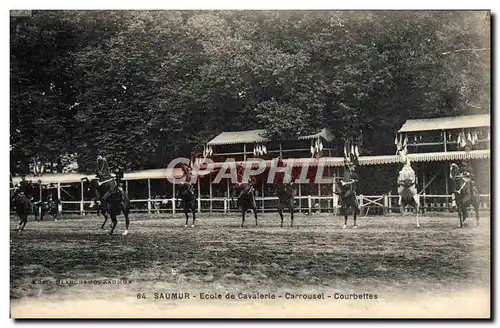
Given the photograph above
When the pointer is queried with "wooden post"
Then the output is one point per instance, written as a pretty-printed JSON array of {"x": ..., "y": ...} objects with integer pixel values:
[
  {"x": 361, "y": 206},
  {"x": 149, "y": 196},
  {"x": 228, "y": 196},
  {"x": 281, "y": 151},
  {"x": 390, "y": 202},
  {"x": 210, "y": 191},
  {"x": 199, "y": 196},
  {"x": 173, "y": 199},
  {"x": 333, "y": 193},
  {"x": 445, "y": 140},
  {"x": 81, "y": 201},
  {"x": 300, "y": 199},
  {"x": 244, "y": 152},
  {"x": 446, "y": 188},
  {"x": 126, "y": 186},
  {"x": 262, "y": 195},
  {"x": 424, "y": 185},
  {"x": 59, "y": 203},
  {"x": 319, "y": 197},
  {"x": 386, "y": 204},
  {"x": 41, "y": 199}
]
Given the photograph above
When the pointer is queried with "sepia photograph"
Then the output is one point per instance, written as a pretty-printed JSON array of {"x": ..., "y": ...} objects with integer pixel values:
[{"x": 271, "y": 164}]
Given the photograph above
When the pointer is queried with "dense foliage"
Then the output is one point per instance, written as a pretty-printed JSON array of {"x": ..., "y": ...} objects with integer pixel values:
[{"x": 143, "y": 87}]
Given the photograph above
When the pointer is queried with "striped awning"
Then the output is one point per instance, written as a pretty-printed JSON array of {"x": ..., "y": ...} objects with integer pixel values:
[
  {"x": 426, "y": 157},
  {"x": 297, "y": 162},
  {"x": 446, "y": 123},
  {"x": 374, "y": 160}
]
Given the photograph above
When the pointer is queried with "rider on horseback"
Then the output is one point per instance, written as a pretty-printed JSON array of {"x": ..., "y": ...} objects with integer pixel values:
[
  {"x": 103, "y": 174},
  {"x": 349, "y": 180},
  {"x": 467, "y": 172},
  {"x": 247, "y": 191}
]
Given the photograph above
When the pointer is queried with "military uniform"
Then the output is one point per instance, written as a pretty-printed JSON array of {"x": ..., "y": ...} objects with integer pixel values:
[
  {"x": 352, "y": 177},
  {"x": 468, "y": 171},
  {"x": 119, "y": 177}
]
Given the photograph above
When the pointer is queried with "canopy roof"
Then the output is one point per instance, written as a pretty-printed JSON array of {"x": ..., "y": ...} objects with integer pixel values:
[
  {"x": 256, "y": 136},
  {"x": 446, "y": 123}
]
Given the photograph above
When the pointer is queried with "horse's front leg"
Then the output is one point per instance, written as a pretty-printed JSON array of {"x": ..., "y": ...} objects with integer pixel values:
[
  {"x": 126, "y": 210},
  {"x": 105, "y": 219},
  {"x": 21, "y": 221},
  {"x": 25, "y": 220},
  {"x": 254, "y": 209},
  {"x": 112, "y": 215},
  {"x": 280, "y": 212},
  {"x": 356, "y": 210},
  {"x": 345, "y": 217},
  {"x": 459, "y": 207},
  {"x": 242, "y": 216},
  {"x": 291, "y": 214},
  {"x": 401, "y": 207},
  {"x": 417, "y": 210},
  {"x": 186, "y": 213},
  {"x": 194, "y": 216}
]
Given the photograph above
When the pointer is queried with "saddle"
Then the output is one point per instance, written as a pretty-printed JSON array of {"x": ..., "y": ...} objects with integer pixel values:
[{"x": 407, "y": 183}]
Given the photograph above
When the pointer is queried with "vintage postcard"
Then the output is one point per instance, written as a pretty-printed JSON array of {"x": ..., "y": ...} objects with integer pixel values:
[{"x": 250, "y": 164}]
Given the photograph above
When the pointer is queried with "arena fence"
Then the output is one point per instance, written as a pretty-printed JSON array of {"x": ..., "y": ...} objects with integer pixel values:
[{"x": 369, "y": 205}]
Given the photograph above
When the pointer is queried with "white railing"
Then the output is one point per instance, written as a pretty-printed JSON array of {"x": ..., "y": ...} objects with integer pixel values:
[{"x": 369, "y": 204}]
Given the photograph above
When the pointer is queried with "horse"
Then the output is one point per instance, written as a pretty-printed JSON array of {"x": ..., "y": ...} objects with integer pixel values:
[
  {"x": 246, "y": 200},
  {"x": 23, "y": 203},
  {"x": 188, "y": 201},
  {"x": 101, "y": 209},
  {"x": 408, "y": 195},
  {"x": 285, "y": 193},
  {"x": 114, "y": 201},
  {"x": 347, "y": 193},
  {"x": 24, "y": 207},
  {"x": 464, "y": 196},
  {"x": 49, "y": 207},
  {"x": 108, "y": 192}
]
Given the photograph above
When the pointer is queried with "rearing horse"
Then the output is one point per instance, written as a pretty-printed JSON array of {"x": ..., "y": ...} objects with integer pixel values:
[
  {"x": 108, "y": 192},
  {"x": 408, "y": 195},
  {"x": 347, "y": 192},
  {"x": 464, "y": 197}
]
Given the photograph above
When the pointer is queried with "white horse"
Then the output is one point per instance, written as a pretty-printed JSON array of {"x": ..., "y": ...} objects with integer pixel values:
[{"x": 408, "y": 195}]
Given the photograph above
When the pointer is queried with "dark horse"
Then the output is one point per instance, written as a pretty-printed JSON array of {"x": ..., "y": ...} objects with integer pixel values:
[
  {"x": 188, "y": 200},
  {"x": 24, "y": 207},
  {"x": 347, "y": 193},
  {"x": 113, "y": 200},
  {"x": 245, "y": 200},
  {"x": 49, "y": 206},
  {"x": 107, "y": 190},
  {"x": 23, "y": 204},
  {"x": 464, "y": 195},
  {"x": 101, "y": 209},
  {"x": 285, "y": 193}
]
